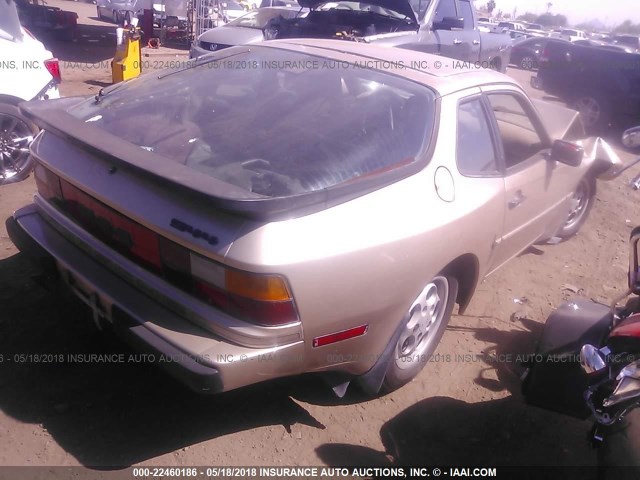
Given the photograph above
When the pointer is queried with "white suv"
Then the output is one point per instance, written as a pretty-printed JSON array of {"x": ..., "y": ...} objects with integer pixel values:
[
  {"x": 573, "y": 35},
  {"x": 28, "y": 72}
]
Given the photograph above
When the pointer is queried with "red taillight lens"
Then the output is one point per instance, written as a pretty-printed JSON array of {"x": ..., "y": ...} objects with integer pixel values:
[
  {"x": 48, "y": 184},
  {"x": 53, "y": 67},
  {"x": 262, "y": 299},
  {"x": 127, "y": 237},
  {"x": 544, "y": 57}
]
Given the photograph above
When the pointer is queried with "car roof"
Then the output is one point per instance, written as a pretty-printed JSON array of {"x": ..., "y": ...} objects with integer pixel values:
[{"x": 444, "y": 75}]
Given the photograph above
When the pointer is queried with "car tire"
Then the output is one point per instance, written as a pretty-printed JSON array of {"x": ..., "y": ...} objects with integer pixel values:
[
  {"x": 528, "y": 63},
  {"x": 581, "y": 204},
  {"x": 420, "y": 331},
  {"x": 594, "y": 110},
  {"x": 16, "y": 133}
]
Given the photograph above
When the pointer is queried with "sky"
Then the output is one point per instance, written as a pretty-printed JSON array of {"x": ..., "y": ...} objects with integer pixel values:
[{"x": 610, "y": 12}]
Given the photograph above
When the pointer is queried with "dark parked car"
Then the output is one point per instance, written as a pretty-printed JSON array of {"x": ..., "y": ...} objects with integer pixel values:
[
  {"x": 603, "y": 84},
  {"x": 526, "y": 53},
  {"x": 39, "y": 17},
  {"x": 605, "y": 45},
  {"x": 631, "y": 41}
]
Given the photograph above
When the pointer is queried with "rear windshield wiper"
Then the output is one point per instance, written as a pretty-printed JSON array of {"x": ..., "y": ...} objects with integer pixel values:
[{"x": 104, "y": 91}]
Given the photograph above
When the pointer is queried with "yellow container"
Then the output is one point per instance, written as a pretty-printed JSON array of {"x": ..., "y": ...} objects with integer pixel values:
[{"x": 127, "y": 62}]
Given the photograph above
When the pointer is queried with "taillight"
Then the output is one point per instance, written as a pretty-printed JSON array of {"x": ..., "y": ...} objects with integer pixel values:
[
  {"x": 48, "y": 183},
  {"x": 544, "y": 58},
  {"x": 258, "y": 298},
  {"x": 53, "y": 67}
]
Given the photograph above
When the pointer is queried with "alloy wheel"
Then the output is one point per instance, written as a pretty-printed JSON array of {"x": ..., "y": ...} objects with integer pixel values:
[
  {"x": 579, "y": 202},
  {"x": 15, "y": 137},
  {"x": 590, "y": 110},
  {"x": 425, "y": 316},
  {"x": 527, "y": 63}
]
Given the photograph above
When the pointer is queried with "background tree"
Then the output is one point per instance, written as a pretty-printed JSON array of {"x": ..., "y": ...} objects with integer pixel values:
[
  {"x": 628, "y": 27},
  {"x": 491, "y": 6},
  {"x": 550, "y": 20},
  {"x": 528, "y": 17}
]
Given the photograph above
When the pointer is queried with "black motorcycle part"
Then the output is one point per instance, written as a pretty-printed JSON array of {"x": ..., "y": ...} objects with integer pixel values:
[{"x": 554, "y": 379}]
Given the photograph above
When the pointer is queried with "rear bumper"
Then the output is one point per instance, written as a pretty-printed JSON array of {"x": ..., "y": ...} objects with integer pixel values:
[
  {"x": 197, "y": 358},
  {"x": 182, "y": 366}
]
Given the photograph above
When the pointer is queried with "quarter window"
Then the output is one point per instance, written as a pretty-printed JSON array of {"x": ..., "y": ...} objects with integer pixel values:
[{"x": 476, "y": 154}]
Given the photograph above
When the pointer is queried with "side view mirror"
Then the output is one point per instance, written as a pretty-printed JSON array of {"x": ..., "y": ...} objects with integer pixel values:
[
  {"x": 634, "y": 261},
  {"x": 567, "y": 152},
  {"x": 631, "y": 138},
  {"x": 449, "y": 23}
]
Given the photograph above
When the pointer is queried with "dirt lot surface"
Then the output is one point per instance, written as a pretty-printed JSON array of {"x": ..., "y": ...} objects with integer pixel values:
[{"x": 458, "y": 411}]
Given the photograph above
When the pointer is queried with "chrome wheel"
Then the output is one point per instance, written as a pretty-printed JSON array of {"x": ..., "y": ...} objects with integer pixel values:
[
  {"x": 527, "y": 63},
  {"x": 578, "y": 205},
  {"x": 422, "y": 328},
  {"x": 590, "y": 110},
  {"x": 15, "y": 137}
]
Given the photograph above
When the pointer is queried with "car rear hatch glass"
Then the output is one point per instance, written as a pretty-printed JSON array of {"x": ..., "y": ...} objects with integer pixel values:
[{"x": 253, "y": 125}]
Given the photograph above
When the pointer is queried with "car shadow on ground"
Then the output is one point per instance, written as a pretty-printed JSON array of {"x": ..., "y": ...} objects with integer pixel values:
[
  {"x": 110, "y": 415},
  {"x": 90, "y": 44},
  {"x": 505, "y": 431}
]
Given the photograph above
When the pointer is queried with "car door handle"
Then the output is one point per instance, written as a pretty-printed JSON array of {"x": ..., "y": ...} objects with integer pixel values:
[
  {"x": 476, "y": 42},
  {"x": 457, "y": 42},
  {"x": 517, "y": 200}
]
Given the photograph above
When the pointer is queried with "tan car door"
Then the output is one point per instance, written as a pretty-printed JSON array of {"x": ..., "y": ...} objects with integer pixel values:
[
  {"x": 480, "y": 187},
  {"x": 535, "y": 186}
]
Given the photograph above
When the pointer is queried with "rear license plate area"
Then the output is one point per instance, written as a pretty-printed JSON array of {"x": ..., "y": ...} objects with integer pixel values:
[{"x": 88, "y": 295}]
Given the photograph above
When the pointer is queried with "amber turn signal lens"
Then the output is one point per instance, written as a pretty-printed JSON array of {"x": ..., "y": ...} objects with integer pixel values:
[{"x": 257, "y": 286}]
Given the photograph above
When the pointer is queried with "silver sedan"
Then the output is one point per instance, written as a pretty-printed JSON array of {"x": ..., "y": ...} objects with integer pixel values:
[{"x": 244, "y": 30}]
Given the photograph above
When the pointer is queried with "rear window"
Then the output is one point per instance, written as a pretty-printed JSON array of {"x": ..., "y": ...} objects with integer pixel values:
[
  {"x": 629, "y": 41},
  {"x": 273, "y": 122},
  {"x": 557, "y": 51}
]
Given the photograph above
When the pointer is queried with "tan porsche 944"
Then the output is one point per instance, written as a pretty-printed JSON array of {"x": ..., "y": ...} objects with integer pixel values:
[{"x": 299, "y": 206}]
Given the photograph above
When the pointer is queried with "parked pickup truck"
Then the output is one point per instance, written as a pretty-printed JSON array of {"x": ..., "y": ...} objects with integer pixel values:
[
  {"x": 442, "y": 27},
  {"x": 603, "y": 84}
]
